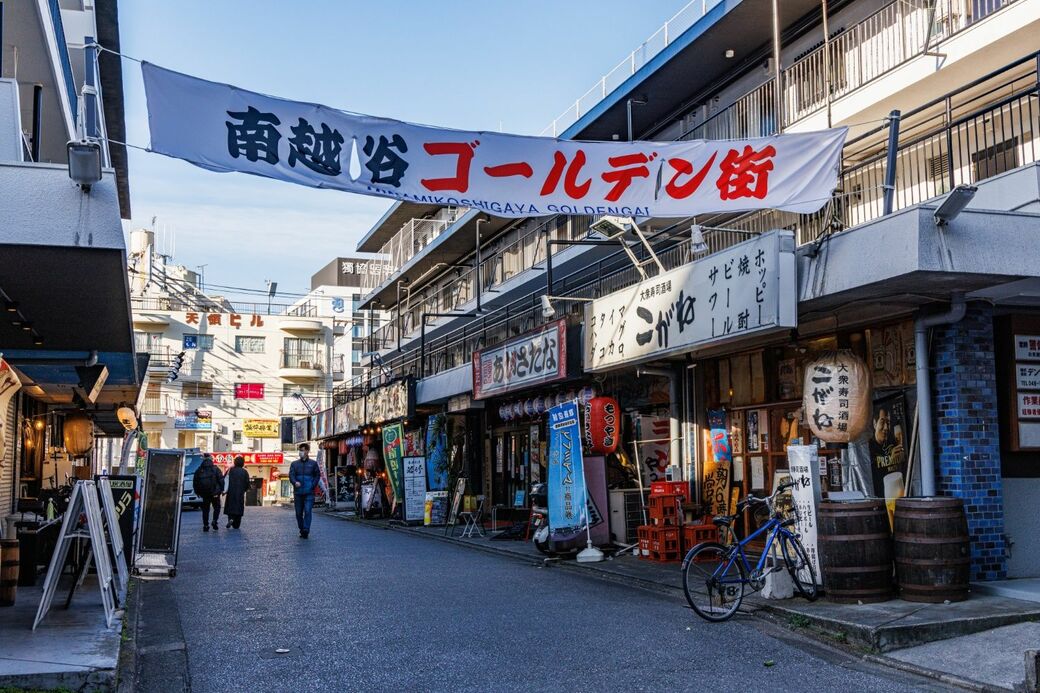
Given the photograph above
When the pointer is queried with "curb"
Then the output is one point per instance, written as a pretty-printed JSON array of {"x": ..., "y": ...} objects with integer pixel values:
[{"x": 762, "y": 612}]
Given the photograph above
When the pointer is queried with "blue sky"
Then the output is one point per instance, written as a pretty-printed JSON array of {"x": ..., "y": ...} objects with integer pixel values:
[{"x": 471, "y": 64}]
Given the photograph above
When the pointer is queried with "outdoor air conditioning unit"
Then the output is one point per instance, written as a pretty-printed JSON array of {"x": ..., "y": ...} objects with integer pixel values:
[{"x": 305, "y": 364}]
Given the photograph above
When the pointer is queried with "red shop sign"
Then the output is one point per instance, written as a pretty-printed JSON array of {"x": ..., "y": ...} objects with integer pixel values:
[
  {"x": 227, "y": 458},
  {"x": 602, "y": 425}
]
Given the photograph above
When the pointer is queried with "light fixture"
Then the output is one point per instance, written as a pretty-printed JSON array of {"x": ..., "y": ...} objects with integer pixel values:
[
  {"x": 78, "y": 434},
  {"x": 38, "y": 340},
  {"x": 609, "y": 226},
  {"x": 954, "y": 204},
  {"x": 11, "y": 306},
  {"x": 730, "y": 52},
  {"x": 127, "y": 417},
  {"x": 548, "y": 310},
  {"x": 38, "y": 424},
  {"x": 84, "y": 162},
  {"x": 27, "y": 326}
]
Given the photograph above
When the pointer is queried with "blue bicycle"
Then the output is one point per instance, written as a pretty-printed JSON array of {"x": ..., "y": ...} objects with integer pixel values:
[{"x": 714, "y": 575}]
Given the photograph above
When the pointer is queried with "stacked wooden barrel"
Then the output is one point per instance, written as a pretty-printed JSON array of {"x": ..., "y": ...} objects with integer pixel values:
[
  {"x": 932, "y": 551},
  {"x": 8, "y": 571},
  {"x": 855, "y": 551}
]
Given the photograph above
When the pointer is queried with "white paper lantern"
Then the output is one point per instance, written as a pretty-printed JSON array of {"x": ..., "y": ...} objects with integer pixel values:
[{"x": 836, "y": 396}]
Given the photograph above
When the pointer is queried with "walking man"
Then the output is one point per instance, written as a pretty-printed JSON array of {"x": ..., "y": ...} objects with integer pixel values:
[
  {"x": 304, "y": 475},
  {"x": 237, "y": 485},
  {"x": 209, "y": 484}
]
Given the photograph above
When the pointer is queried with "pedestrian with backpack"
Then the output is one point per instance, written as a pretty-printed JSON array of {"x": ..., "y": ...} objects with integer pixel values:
[{"x": 208, "y": 482}]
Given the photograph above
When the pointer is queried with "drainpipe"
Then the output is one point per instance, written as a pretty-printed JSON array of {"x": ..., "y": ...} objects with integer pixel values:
[
  {"x": 924, "y": 386},
  {"x": 674, "y": 451}
]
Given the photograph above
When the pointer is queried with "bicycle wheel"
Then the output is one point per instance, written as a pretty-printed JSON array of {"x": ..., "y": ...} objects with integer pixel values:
[
  {"x": 714, "y": 585},
  {"x": 798, "y": 565}
]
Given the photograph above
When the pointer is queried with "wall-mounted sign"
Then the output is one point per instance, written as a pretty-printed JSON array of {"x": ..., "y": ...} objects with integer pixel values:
[
  {"x": 197, "y": 420},
  {"x": 249, "y": 390},
  {"x": 1029, "y": 405},
  {"x": 530, "y": 359},
  {"x": 393, "y": 401},
  {"x": 236, "y": 320},
  {"x": 301, "y": 429},
  {"x": 322, "y": 424},
  {"x": 351, "y": 269},
  {"x": 343, "y": 422},
  {"x": 261, "y": 428},
  {"x": 227, "y": 458},
  {"x": 1027, "y": 347},
  {"x": 748, "y": 288},
  {"x": 1027, "y": 376}
]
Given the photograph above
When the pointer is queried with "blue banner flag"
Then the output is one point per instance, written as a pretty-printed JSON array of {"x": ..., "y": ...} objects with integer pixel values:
[{"x": 567, "y": 495}]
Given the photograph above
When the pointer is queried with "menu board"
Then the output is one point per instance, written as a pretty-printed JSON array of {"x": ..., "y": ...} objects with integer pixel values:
[
  {"x": 161, "y": 502},
  {"x": 414, "y": 488}
]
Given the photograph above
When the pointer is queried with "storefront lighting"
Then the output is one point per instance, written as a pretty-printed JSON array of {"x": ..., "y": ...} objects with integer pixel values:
[
  {"x": 38, "y": 424},
  {"x": 27, "y": 326},
  {"x": 954, "y": 203},
  {"x": 78, "y": 434},
  {"x": 11, "y": 306},
  {"x": 84, "y": 163}
]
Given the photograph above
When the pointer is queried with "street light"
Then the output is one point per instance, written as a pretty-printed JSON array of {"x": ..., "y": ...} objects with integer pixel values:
[
  {"x": 84, "y": 162},
  {"x": 954, "y": 204}
]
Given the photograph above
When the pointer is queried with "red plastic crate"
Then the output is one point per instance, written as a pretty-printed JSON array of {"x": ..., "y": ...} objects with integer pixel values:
[
  {"x": 696, "y": 534},
  {"x": 669, "y": 488},
  {"x": 664, "y": 510}
]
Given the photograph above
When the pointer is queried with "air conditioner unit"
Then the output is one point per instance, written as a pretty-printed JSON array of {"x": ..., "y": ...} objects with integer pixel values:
[{"x": 305, "y": 364}]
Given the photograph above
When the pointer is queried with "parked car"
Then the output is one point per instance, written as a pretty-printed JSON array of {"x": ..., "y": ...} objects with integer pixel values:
[{"x": 192, "y": 461}]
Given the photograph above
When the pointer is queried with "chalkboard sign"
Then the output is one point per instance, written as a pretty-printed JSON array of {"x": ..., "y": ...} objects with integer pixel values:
[
  {"x": 414, "y": 469},
  {"x": 161, "y": 502},
  {"x": 124, "y": 493},
  {"x": 346, "y": 485}
]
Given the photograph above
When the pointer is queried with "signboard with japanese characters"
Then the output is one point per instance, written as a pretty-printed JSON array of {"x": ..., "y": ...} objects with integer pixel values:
[
  {"x": 228, "y": 458},
  {"x": 530, "y": 359},
  {"x": 262, "y": 428},
  {"x": 1029, "y": 405},
  {"x": 223, "y": 128},
  {"x": 393, "y": 401},
  {"x": 804, "y": 464},
  {"x": 1027, "y": 376},
  {"x": 236, "y": 320},
  {"x": 836, "y": 396},
  {"x": 351, "y": 269},
  {"x": 1025, "y": 395},
  {"x": 1027, "y": 347},
  {"x": 745, "y": 289},
  {"x": 193, "y": 420}
]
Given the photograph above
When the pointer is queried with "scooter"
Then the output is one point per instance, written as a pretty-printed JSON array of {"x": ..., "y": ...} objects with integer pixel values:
[{"x": 543, "y": 539}]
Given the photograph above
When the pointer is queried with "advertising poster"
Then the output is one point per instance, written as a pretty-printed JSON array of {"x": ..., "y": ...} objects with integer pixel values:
[
  {"x": 414, "y": 488},
  {"x": 654, "y": 446},
  {"x": 803, "y": 463},
  {"x": 887, "y": 443},
  {"x": 567, "y": 495},
  {"x": 392, "y": 456},
  {"x": 715, "y": 486},
  {"x": 437, "y": 452}
]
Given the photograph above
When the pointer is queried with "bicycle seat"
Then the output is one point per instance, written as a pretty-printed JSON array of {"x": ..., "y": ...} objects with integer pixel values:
[{"x": 722, "y": 520}]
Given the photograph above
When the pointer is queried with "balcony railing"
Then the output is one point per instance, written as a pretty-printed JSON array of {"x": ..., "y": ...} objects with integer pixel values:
[
  {"x": 409, "y": 241},
  {"x": 308, "y": 359},
  {"x": 985, "y": 128},
  {"x": 201, "y": 304}
]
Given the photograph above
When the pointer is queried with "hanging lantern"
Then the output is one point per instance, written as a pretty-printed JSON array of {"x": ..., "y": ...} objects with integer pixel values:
[
  {"x": 529, "y": 407},
  {"x": 505, "y": 412},
  {"x": 586, "y": 394},
  {"x": 539, "y": 406},
  {"x": 837, "y": 396},
  {"x": 602, "y": 425},
  {"x": 344, "y": 447},
  {"x": 79, "y": 434},
  {"x": 518, "y": 409}
]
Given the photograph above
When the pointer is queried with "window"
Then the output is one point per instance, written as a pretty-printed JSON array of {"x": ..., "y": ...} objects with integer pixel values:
[
  {"x": 198, "y": 341},
  {"x": 197, "y": 391},
  {"x": 359, "y": 329},
  {"x": 355, "y": 357},
  {"x": 355, "y": 301},
  {"x": 996, "y": 159},
  {"x": 236, "y": 437},
  {"x": 147, "y": 342},
  {"x": 249, "y": 345},
  {"x": 249, "y": 390}
]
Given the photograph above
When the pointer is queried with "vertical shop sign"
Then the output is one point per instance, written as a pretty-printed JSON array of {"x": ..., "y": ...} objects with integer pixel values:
[
  {"x": 715, "y": 488},
  {"x": 654, "y": 430},
  {"x": 437, "y": 452},
  {"x": 392, "y": 455},
  {"x": 414, "y": 488},
  {"x": 803, "y": 463},
  {"x": 567, "y": 500}
]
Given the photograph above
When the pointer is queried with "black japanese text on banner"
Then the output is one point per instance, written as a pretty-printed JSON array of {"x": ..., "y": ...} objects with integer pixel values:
[{"x": 223, "y": 128}]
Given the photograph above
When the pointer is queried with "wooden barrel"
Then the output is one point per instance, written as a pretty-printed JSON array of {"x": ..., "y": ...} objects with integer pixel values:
[
  {"x": 933, "y": 554},
  {"x": 855, "y": 551},
  {"x": 8, "y": 571}
]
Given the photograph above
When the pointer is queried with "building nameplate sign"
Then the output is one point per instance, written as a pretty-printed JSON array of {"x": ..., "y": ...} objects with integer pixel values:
[{"x": 537, "y": 357}]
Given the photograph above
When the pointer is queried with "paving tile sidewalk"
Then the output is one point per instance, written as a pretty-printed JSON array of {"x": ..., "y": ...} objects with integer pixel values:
[
  {"x": 71, "y": 649},
  {"x": 880, "y": 629}
]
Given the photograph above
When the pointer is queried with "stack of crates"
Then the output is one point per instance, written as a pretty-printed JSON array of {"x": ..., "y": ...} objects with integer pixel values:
[{"x": 661, "y": 539}]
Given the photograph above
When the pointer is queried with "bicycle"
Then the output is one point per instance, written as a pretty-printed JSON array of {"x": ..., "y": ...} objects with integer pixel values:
[{"x": 722, "y": 571}]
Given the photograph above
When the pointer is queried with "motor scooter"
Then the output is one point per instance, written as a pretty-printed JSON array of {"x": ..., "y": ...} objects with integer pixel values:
[{"x": 542, "y": 537}]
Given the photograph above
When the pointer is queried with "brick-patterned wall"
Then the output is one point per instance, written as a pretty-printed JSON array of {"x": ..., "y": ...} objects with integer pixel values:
[{"x": 967, "y": 434}]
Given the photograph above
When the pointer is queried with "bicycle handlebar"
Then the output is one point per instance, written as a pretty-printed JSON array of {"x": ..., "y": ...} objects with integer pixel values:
[{"x": 749, "y": 500}]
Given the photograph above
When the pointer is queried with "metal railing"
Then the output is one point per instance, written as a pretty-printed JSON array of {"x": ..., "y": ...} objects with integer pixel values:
[
  {"x": 647, "y": 51},
  {"x": 410, "y": 240},
  {"x": 752, "y": 115},
  {"x": 984, "y": 128},
  {"x": 202, "y": 304},
  {"x": 311, "y": 359}
]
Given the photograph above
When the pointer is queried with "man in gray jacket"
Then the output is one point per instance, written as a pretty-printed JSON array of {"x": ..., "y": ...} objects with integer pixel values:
[{"x": 304, "y": 475}]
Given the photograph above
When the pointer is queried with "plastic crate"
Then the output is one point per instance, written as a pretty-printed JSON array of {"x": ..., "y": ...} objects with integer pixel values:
[
  {"x": 664, "y": 510},
  {"x": 696, "y": 534},
  {"x": 643, "y": 535},
  {"x": 670, "y": 488}
]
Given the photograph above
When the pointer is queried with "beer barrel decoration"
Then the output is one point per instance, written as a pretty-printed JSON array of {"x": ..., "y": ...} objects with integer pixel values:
[
  {"x": 932, "y": 550},
  {"x": 855, "y": 551},
  {"x": 836, "y": 396},
  {"x": 8, "y": 571}
]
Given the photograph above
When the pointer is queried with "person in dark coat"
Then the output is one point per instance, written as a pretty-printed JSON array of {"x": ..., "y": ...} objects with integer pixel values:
[
  {"x": 304, "y": 475},
  {"x": 208, "y": 483},
  {"x": 237, "y": 485}
]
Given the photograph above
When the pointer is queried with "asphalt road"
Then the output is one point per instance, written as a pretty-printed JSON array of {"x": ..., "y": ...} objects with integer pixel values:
[{"x": 365, "y": 609}]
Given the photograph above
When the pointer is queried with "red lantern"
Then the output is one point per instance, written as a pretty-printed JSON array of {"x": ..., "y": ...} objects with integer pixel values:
[
  {"x": 602, "y": 425},
  {"x": 344, "y": 448}
]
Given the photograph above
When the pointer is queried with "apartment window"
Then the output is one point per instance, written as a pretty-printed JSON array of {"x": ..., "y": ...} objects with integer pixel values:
[
  {"x": 199, "y": 390},
  {"x": 147, "y": 342},
  {"x": 203, "y": 342},
  {"x": 249, "y": 345},
  {"x": 249, "y": 390},
  {"x": 355, "y": 301},
  {"x": 236, "y": 437},
  {"x": 358, "y": 330},
  {"x": 300, "y": 352},
  {"x": 355, "y": 357}
]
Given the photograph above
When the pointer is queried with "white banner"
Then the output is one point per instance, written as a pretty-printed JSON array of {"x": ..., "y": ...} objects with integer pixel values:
[
  {"x": 223, "y": 128},
  {"x": 804, "y": 464},
  {"x": 747, "y": 288}
]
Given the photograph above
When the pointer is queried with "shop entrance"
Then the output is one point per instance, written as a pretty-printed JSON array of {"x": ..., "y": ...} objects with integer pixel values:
[{"x": 512, "y": 476}]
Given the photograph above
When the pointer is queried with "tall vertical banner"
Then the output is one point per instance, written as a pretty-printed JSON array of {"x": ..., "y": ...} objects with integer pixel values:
[
  {"x": 393, "y": 453},
  {"x": 223, "y": 128},
  {"x": 437, "y": 452},
  {"x": 567, "y": 493},
  {"x": 803, "y": 462},
  {"x": 715, "y": 487}
]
